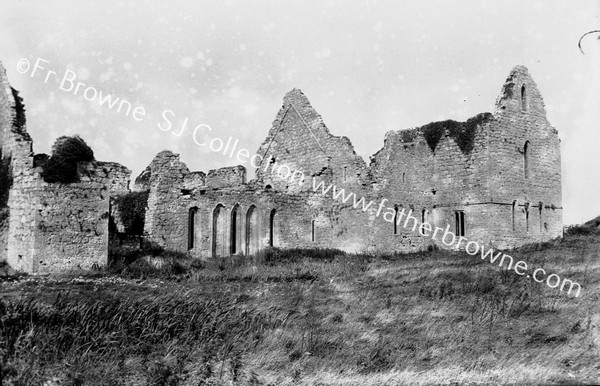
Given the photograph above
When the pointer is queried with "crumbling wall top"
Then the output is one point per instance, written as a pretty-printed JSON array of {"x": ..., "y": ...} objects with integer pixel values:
[
  {"x": 118, "y": 174},
  {"x": 15, "y": 142},
  {"x": 226, "y": 177},
  {"x": 165, "y": 164},
  {"x": 194, "y": 180},
  {"x": 520, "y": 95},
  {"x": 300, "y": 141}
]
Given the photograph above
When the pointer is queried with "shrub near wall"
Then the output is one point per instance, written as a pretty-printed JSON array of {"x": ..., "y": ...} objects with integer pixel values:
[
  {"x": 67, "y": 152},
  {"x": 132, "y": 211}
]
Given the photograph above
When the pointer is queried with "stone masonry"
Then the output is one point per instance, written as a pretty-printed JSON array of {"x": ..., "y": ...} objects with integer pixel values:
[
  {"x": 50, "y": 227},
  {"x": 494, "y": 179}
]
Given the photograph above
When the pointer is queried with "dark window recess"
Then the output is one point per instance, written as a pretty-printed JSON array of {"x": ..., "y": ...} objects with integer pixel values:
[
  {"x": 193, "y": 212},
  {"x": 526, "y": 150},
  {"x": 459, "y": 219},
  {"x": 395, "y": 219}
]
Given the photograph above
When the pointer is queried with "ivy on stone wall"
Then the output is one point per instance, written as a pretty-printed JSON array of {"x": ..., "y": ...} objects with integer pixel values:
[
  {"x": 66, "y": 153},
  {"x": 463, "y": 133},
  {"x": 466, "y": 137},
  {"x": 4, "y": 215},
  {"x": 508, "y": 89},
  {"x": 5, "y": 180},
  {"x": 433, "y": 133},
  {"x": 408, "y": 135},
  {"x": 144, "y": 178},
  {"x": 132, "y": 209},
  {"x": 19, "y": 120}
]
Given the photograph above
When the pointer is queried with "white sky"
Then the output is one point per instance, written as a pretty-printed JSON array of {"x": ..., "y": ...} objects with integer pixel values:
[{"x": 367, "y": 67}]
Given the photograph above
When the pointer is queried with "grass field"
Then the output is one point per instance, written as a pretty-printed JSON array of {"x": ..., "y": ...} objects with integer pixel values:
[{"x": 307, "y": 318}]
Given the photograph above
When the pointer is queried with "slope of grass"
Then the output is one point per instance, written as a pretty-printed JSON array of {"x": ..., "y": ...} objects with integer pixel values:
[{"x": 293, "y": 319}]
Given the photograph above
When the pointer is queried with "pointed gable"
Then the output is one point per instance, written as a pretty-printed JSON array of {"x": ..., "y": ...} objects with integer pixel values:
[
  {"x": 300, "y": 141},
  {"x": 520, "y": 94}
]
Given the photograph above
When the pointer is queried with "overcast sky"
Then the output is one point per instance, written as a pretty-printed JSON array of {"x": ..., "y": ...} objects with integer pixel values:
[{"x": 367, "y": 67}]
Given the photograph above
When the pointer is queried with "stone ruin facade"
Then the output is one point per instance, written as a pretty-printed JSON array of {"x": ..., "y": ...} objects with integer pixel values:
[
  {"x": 494, "y": 179},
  {"x": 50, "y": 227}
]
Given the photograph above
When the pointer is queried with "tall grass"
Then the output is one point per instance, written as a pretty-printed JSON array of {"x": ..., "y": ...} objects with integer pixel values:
[
  {"x": 312, "y": 317},
  {"x": 165, "y": 340}
]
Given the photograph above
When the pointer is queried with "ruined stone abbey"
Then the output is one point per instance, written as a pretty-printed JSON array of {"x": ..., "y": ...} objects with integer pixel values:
[{"x": 495, "y": 179}]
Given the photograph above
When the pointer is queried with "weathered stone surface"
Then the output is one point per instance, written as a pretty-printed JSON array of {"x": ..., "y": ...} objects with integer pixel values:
[
  {"x": 50, "y": 227},
  {"x": 477, "y": 168},
  {"x": 499, "y": 172},
  {"x": 300, "y": 141},
  {"x": 226, "y": 177}
]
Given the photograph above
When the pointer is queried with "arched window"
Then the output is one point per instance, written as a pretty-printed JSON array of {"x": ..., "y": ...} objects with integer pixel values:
[
  {"x": 312, "y": 231},
  {"x": 526, "y": 151},
  {"x": 524, "y": 100},
  {"x": 272, "y": 228},
  {"x": 345, "y": 176},
  {"x": 192, "y": 218},
  {"x": 252, "y": 235},
  {"x": 219, "y": 232},
  {"x": 235, "y": 230},
  {"x": 403, "y": 177}
]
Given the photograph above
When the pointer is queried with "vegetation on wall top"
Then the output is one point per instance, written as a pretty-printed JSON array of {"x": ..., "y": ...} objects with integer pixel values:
[
  {"x": 433, "y": 132},
  {"x": 463, "y": 133},
  {"x": 408, "y": 135},
  {"x": 66, "y": 153}
]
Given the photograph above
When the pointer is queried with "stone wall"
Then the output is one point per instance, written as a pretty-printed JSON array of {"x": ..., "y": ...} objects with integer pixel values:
[
  {"x": 433, "y": 184},
  {"x": 69, "y": 229},
  {"x": 50, "y": 227},
  {"x": 498, "y": 172},
  {"x": 527, "y": 176},
  {"x": 243, "y": 222},
  {"x": 300, "y": 142},
  {"x": 116, "y": 174},
  {"x": 438, "y": 173},
  {"x": 166, "y": 181},
  {"x": 56, "y": 227},
  {"x": 118, "y": 177},
  {"x": 194, "y": 180},
  {"x": 15, "y": 154},
  {"x": 225, "y": 177}
]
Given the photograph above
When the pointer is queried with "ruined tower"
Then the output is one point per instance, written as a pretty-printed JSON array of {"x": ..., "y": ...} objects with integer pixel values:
[
  {"x": 50, "y": 227},
  {"x": 494, "y": 178}
]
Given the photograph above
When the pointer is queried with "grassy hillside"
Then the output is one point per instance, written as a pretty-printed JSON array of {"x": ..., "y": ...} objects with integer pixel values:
[{"x": 308, "y": 318}]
